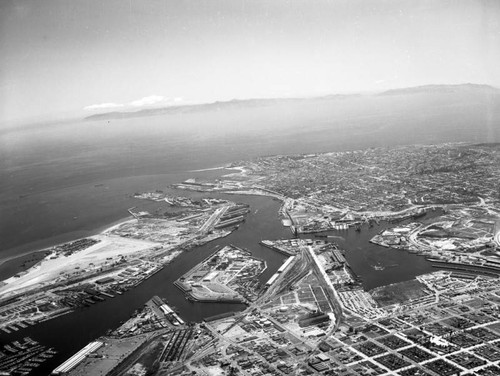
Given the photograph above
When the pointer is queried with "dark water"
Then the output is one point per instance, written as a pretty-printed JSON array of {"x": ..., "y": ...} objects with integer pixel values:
[
  {"x": 55, "y": 167},
  {"x": 70, "y": 332},
  {"x": 73, "y": 331},
  {"x": 393, "y": 265},
  {"x": 53, "y": 216},
  {"x": 363, "y": 257}
]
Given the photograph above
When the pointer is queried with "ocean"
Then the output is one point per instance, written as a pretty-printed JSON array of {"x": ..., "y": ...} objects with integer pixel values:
[{"x": 67, "y": 180}]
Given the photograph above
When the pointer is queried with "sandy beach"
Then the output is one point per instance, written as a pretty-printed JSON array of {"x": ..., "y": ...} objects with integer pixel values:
[
  {"x": 54, "y": 267},
  {"x": 241, "y": 171},
  {"x": 15, "y": 264},
  {"x": 210, "y": 169},
  {"x": 100, "y": 230}
]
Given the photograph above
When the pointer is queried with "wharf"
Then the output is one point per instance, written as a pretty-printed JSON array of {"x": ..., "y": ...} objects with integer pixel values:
[
  {"x": 277, "y": 249},
  {"x": 477, "y": 269},
  {"x": 60, "y": 313}
]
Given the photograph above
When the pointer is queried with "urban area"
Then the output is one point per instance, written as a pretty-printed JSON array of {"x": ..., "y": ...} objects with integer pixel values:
[{"x": 313, "y": 316}]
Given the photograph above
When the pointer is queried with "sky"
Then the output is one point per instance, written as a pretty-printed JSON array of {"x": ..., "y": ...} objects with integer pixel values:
[{"x": 60, "y": 57}]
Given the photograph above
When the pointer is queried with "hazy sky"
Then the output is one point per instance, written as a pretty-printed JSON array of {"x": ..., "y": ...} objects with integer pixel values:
[{"x": 64, "y": 56}]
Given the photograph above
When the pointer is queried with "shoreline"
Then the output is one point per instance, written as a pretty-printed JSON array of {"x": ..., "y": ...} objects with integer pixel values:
[
  {"x": 8, "y": 262},
  {"x": 10, "y": 254},
  {"x": 98, "y": 231},
  {"x": 24, "y": 254},
  {"x": 111, "y": 226},
  {"x": 209, "y": 169},
  {"x": 102, "y": 230}
]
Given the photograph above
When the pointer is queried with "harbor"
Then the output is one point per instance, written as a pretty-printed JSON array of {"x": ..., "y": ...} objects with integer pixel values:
[
  {"x": 261, "y": 223},
  {"x": 24, "y": 356}
]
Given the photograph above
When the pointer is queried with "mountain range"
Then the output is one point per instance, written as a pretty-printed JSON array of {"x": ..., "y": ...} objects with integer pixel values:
[{"x": 451, "y": 91}]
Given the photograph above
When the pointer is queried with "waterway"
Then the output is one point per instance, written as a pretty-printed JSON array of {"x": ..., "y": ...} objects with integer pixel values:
[
  {"x": 70, "y": 332},
  {"x": 377, "y": 265},
  {"x": 67, "y": 180}
]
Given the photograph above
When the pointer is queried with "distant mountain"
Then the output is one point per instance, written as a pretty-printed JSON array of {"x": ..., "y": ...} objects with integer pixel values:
[
  {"x": 443, "y": 89},
  {"x": 215, "y": 106},
  {"x": 266, "y": 102}
]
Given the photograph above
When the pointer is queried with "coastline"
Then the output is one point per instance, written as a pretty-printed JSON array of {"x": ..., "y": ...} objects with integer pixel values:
[
  {"x": 21, "y": 255},
  {"x": 13, "y": 261},
  {"x": 14, "y": 264},
  {"x": 241, "y": 171},
  {"x": 210, "y": 169},
  {"x": 111, "y": 226}
]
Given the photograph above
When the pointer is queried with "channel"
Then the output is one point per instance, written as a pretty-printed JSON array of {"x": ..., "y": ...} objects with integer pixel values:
[{"x": 69, "y": 333}]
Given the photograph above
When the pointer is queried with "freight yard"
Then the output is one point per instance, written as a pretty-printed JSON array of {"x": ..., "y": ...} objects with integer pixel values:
[
  {"x": 312, "y": 316},
  {"x": 444, "y": 210},
  {"x": 415, "y": 336},
  {"x": 297, "y": 333},
  {"x": 156, "y": 327},
  {"x": 438, "y": 324}
]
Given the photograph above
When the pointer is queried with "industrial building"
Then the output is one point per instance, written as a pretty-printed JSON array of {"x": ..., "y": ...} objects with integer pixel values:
[
  {"x": 210, "y": 276},
  {"x": 76, "y": 359},
  {"x": 272, "y": 279},
  {"x": 285, "y": 264}
]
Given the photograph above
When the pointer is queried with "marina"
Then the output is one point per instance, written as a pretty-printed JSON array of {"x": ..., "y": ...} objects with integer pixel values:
[{"x": 24, "y": 356}]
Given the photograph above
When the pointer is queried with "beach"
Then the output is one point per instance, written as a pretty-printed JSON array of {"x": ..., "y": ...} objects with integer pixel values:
[{"x": 14, "y": 264}]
